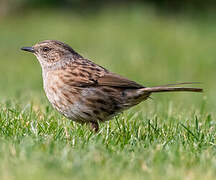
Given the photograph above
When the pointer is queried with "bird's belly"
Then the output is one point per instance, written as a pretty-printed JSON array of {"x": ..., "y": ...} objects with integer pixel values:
[
  {"x": 83, "y": 104},
  {"x": 92, "y": 103},
  {"x": 65, "y": 103}
]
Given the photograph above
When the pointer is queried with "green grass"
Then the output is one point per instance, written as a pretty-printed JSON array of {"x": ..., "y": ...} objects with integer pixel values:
[{"x": 169, "y": 137}]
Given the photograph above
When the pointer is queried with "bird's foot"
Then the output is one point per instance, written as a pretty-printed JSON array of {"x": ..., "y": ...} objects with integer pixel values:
[{"x": 94, "y": 126}]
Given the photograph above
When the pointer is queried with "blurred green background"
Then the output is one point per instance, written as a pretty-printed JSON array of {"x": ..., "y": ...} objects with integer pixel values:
[
  {"x": 139, "y": 40},
  {"x": 152, "y": 42}
]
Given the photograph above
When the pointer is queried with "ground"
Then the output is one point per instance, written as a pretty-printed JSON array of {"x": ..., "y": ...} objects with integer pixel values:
[{"x": 171, "y": 136}]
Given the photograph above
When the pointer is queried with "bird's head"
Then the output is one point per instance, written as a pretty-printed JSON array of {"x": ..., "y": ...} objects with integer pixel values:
[{"x": 52, "y": 53}]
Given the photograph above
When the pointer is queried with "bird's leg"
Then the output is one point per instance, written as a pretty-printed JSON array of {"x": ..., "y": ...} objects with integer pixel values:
[{"x": 94, "y": 126}]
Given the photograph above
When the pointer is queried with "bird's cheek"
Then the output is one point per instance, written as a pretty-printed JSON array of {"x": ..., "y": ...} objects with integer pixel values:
[{"x": 54, "y": 57}]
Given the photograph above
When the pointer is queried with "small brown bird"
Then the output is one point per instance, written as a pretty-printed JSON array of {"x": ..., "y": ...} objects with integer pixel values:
[{"x": 84, "y": 91}]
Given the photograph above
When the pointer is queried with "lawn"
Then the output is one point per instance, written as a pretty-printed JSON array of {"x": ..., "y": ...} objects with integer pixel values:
[{"x": 171, "y": 136}]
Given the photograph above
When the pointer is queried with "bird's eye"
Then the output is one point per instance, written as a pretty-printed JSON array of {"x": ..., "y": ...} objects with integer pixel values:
[{"x": 46, "y": 49}]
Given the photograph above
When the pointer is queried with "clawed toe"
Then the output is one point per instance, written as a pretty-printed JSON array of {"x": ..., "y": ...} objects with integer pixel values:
[{"x": 94, "y": 126}]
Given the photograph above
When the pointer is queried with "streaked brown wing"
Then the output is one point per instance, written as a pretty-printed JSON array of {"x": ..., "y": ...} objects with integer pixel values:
[
  {"x": 115, "y": 80},
  {"x": 85, "y": 74}
]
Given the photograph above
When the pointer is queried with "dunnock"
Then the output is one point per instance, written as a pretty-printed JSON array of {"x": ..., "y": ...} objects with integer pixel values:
[{"x": 84, "y": 91}]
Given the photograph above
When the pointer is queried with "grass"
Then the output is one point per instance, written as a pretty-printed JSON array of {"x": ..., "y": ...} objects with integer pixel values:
[{"x": 169, "y": 137}]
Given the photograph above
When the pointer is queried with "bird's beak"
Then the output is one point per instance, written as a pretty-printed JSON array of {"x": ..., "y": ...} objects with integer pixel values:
[{"x": 29, "y": 49}]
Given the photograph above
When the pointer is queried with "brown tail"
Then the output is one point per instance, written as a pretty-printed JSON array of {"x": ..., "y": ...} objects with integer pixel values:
[{"x": 171, "y": 89}]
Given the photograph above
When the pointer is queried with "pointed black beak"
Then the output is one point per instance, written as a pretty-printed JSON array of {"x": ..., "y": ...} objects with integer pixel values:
[{"x": 29, "y": 49}]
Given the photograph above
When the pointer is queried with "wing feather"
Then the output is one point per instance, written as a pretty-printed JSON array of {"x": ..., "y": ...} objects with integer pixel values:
[
  {"x": 114, "y": 80},
  {"x": 85, "y": 74}
]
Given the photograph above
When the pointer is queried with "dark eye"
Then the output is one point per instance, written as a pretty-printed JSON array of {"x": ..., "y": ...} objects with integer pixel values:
[{"x": 46, "y": 49}]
